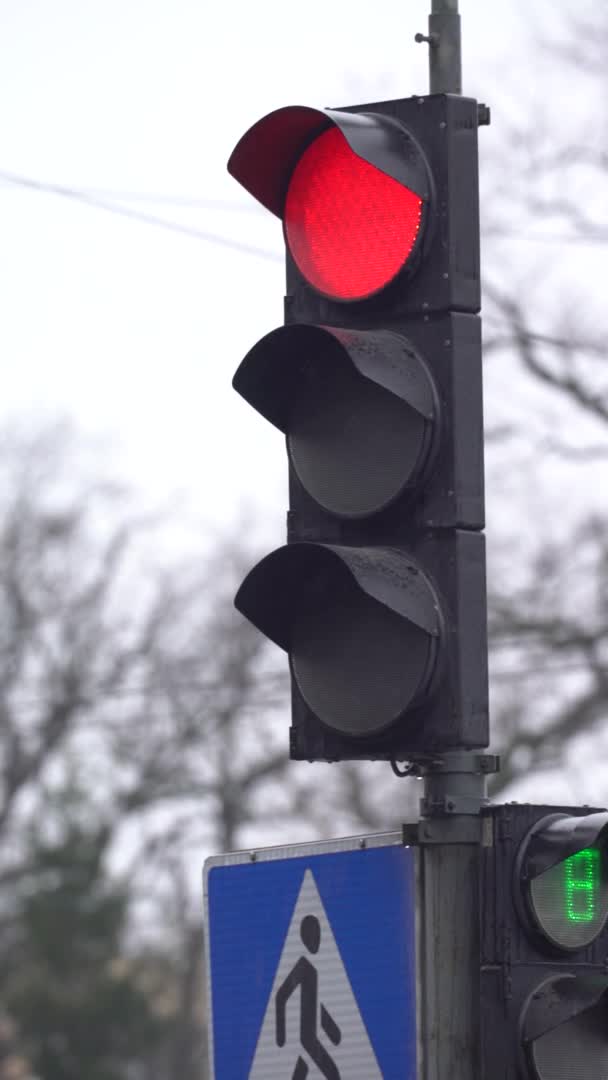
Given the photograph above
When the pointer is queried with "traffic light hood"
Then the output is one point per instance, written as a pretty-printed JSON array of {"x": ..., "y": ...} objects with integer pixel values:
[
  {"x": 272, "y": 593},
  {"x": 266, "y": 155},
  {"x": 560, "y": 999},
  {"x": 272, "y": 373},
  {"x": 557, "y": 836}
]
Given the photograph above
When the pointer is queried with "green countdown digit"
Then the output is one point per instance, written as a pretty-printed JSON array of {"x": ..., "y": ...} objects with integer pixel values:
[{"x": 582, "y": 878}]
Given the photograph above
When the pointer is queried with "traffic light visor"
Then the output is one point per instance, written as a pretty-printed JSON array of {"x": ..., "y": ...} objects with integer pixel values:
[
  {"x": 564, "y": 1029},
  {"x": 351, "y": 189}
]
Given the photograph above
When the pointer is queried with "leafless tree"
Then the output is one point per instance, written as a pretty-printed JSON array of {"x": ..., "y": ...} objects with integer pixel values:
[
  {"x": 129, "y": 676},
  {"x": 547, "y": 392}
]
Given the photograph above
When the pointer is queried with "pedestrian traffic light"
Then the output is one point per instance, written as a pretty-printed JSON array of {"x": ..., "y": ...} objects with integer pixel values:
[
  {"x": 375, "y": 380},
  {"x": 544, "y": 943}
]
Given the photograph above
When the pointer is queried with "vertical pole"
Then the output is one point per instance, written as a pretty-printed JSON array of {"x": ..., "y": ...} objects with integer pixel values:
[
  {"x": 449, "y": 944},
  {"x": 449, "y": 831},
  {"x": 445, "y": 63},
  {"x": 449, "y": 837}
]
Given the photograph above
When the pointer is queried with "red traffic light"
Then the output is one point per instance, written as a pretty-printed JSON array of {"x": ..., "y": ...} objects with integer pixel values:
[
  {"x": 351, "y": 189},
  {"x": 350, "y": 227}
]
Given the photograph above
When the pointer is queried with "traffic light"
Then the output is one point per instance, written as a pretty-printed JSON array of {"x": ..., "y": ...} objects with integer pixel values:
[
  {"x": 544, "y": 943},
  {"x": 378, "y": 597}
]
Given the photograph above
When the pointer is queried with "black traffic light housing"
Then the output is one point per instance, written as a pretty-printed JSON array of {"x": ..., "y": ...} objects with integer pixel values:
[
  {"x": 379, "y": 595},
  {"x": 544, "y": 943}
]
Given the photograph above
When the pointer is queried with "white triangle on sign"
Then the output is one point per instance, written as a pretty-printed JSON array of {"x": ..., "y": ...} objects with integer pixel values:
[{"x": 312, "y": 1026}]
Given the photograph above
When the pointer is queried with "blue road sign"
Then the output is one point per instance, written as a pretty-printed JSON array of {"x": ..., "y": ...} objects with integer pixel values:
[{"x": 311, "y": 961}]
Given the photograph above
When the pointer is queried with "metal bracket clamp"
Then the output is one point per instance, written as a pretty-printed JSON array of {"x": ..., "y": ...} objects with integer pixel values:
[
  {"x": 456, "y": 782},
  {"x": 448, "y": 805},
  {"x": 466, "y": 829},
  {"x": 455, "y": 792}
]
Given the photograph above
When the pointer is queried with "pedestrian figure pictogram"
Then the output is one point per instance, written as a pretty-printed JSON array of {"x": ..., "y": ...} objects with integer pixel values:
[
  {"x": 304, "y": 976},
  {"x": 312, "y": 1027}
]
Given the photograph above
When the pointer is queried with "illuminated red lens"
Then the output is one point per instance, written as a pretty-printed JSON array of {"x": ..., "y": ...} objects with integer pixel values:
[{"x": 350, "y": 227}]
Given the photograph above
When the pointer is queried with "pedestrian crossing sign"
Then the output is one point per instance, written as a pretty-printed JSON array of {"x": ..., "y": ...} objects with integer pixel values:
[{"x": 311, "y": 961}]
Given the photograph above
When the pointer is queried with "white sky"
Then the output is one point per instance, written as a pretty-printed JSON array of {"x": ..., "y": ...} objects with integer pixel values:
[{"x": 130, "y": 328}]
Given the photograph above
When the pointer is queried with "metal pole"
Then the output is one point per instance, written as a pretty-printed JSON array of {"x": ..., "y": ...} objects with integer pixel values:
[
  {"x": 449, "y": 960},
  {"x": 445, "y": 64},
  {"x": 449, "y": 838},
  {"x": 449, "y": 833}
]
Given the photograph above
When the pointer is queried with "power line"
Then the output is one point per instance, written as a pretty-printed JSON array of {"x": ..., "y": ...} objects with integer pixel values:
[
  {"x": 194, "y": 202},
  {"x": 189, "y": 201},
  {"x": 90, "y": 199}
]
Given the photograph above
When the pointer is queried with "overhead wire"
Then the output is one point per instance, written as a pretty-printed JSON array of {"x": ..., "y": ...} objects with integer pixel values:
[
  {"x": 161, "y": 198},
  {"x": 89, "y": 198}
]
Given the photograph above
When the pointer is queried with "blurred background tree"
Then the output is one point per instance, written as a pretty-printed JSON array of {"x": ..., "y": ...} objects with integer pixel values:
[
  {"x": 138, "y": 733},
  {"x": 74, "y": 996},
  {"x": 545, "y": 353}
]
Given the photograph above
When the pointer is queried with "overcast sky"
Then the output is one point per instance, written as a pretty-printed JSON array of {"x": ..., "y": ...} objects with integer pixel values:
[{"x": 135, "y": 330}]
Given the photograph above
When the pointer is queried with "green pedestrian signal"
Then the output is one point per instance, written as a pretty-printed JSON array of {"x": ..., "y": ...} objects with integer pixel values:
[
  {"x": 570, "y": 900},
  {"x": 567, "y": 902},
  {"x": 582, "y": 885},
  {"x": 544, "y": 971}
]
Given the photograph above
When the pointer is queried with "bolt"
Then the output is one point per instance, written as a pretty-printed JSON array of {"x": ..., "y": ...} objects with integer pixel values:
[{"x": 432, "y": 38}]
